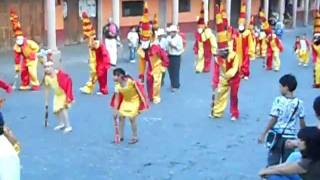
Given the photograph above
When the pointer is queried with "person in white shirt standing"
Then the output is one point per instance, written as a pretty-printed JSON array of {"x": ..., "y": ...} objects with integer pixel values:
[
  {"x": 175, "y": 49},
  {"x": 133, "y": 39}
]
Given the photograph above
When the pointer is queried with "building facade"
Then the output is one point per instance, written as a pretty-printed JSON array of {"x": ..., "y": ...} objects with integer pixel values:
[{"x": 52, "y": 22}]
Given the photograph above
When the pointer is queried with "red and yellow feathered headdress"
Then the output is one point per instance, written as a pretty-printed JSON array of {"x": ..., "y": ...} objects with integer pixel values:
[
  {"x": 251, "y": 23},
  {"x": 265, "y": 24},
  {"x": 88, "y": 30},
  {"x": 145, "y": 26},
  {"x": 155, "y": 23},
  {"x": 242, "y": 17},
  {"x": 201, "y": 18},
  {"x": 221, "y": 28},
  {"x": 224, "y": 14},
  {"x": 16, "y": 25},
  {"x": 316, "y": 25}
]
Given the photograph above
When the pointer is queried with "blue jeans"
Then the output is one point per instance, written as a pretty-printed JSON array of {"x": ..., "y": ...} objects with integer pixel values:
[
  {"x": 284, "y": 177},
  {"x": 133, "y": 51}
]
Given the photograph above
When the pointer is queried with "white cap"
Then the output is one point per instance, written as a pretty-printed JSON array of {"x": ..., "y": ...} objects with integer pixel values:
[
  {"x": 160, "y": 32},
  {"x": 173, "y": 28}
]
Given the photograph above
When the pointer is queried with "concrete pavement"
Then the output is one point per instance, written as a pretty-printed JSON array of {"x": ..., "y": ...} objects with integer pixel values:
[{"x": 177, "y": 139}]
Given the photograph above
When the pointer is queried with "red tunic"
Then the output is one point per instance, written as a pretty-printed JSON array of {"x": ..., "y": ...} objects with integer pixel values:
[
  {"x": 65, "y": 83},
  {"x": 102, "y": 59}
]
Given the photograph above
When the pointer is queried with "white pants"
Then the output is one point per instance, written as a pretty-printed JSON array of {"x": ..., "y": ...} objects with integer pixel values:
[
  {"x": 9, "y": 161},
  {"x": 111, "y": 46}
]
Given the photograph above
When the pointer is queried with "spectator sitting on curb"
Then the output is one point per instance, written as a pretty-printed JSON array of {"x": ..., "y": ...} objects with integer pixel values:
[
  {"x": 9, "y": 149},
  {"x": 308, "y": 168}
]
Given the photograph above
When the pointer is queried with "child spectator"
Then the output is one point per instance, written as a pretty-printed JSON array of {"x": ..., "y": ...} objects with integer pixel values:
[
  {"x": 285, "y": 112},
  {"x": 133, "y": 39}
]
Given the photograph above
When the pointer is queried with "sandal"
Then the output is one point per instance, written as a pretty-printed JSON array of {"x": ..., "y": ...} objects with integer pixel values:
[
  {"x": 133, "y": 141},
  {"x": 121, "y": 140}
]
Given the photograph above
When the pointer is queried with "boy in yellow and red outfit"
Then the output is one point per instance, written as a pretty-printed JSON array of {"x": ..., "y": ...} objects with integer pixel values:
[
  {"x": 204, "y": 46},
  {"x": 274, "y": 45},
  {"x": 244, "y": 44},
  {"x": 302, "y": 48},
  {"x": 229, "y": 79},
  {"x": 25, "y": 55},
  {"x": 262, "y": 45},
  {"x": 99, "y": 60}
]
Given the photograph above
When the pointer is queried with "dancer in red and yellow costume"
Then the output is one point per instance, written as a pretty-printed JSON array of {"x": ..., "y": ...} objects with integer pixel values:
[
  {"x": 302, "y": 48},
  {"x": 265, "y": 30},
  {"x": 102, "y": 65},
  {"x": 99, "y": 60},
  {"x": 205, "y": 45},
  {"x": 153, "y": 62},
  {"x": 316, "y": 50},
  {"x": 25, "y": 55},
  {"x": 229, "y": 79},
  {"x": 128, "y": 101},
  {"x": 274, "y": 45},
  {"x": 158, "y": 62},
  {"x": 262, "y": 45},
  {"x": 244, "y": 44},
  {"x": 61, "y": 84}
]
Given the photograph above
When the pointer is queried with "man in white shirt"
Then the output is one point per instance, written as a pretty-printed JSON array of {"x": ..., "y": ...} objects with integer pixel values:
[
  {"x": 9, "y": 160},
  {"x": 175, "y": 49}
]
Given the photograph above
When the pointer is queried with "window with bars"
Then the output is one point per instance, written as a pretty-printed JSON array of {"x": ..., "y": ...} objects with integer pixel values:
[
  {"x": 300, "y": 3},
  {"x": 132, "y": 8},
  {"x": 184, "y": 6}
]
